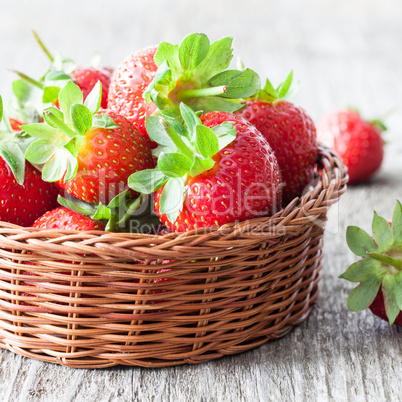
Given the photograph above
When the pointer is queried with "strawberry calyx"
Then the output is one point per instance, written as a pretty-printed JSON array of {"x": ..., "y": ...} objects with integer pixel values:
[
  {"x": 184, "y": 150},
  {"x": 270, "y": 94},
  {"x": 60, "y": 136},
  {"x": 381, "y": 265},
  {"x": 13, "y": 145},
  {"x": 122, "y": 214},
  {"x": 195, "y": 72}
]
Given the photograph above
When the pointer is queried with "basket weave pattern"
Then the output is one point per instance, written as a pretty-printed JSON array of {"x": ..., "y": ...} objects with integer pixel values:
[{"x": 96, "y": 299}]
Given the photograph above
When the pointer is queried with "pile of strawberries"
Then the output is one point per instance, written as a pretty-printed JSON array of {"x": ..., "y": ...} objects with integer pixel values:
[
  {"x": 172, "y": 136},
  {"x": 174, "y": 140}
]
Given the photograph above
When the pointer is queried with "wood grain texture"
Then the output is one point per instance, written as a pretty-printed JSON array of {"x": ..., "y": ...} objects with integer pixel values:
[{"x": 344, "y": 53}]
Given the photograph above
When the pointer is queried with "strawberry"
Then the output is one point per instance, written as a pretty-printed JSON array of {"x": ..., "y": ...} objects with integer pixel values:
[
  {"x": 380, "y": 270},
  {"x": 89, "y": 155},
  {"x": 357, "y": 141},
  {"x": 28, "y": 90},
  {"x": 24, "y": 195},
  {"x": 65, "y": 219},
  {"x": 219, "y": 170},
  {"x": 130, "y": 79},
  {"x": 86, "y": 79},
  {"x": 15, "y": 124},
  {"x": 290, "y": 132},
  {"x": 193, "y": 72}
]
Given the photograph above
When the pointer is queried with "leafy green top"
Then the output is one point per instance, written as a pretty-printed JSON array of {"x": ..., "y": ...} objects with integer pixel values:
[
  {"x": 60, "y": 137},
  {"x": 184, "y": 149},
  {"x": 13, "y": 146},
  {"x": 195, "y": 72},
  {"x": 285, "y": 90},
  {"x": 381, "y": 265}
]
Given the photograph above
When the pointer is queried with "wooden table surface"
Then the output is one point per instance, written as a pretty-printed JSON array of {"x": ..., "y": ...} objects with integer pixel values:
[{"x": 344, "y": 53}]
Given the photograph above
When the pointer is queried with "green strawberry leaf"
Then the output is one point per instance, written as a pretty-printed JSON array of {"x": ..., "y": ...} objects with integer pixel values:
[
  {"x": 201, "y": 165},
  {"x": 53, "y": 118},
  {"x": 1, "y": 108},
  {"x": 363, "y": 295},
  {"x": 103, "y": 121},
  {"x": 156, "y": 131},
  {"x": 362, "y": 270},
  {"x": 77, "y": 205},
  {"x": 170, "y": 53},
  {"x": 69, "y": 95},
  {"x": 359, "y": 241},
  {"x": 74, "y": 145},
  {"x": 173, "y": 122},
  {"x": 172, "y": 197},
  {"x": 174, "y": 165},
  {"x": 382, "y": 233},
  {"x": 206, "y": 142},
  {"x": 81, "y": 118},
  {"x": 390, "y": 300},
  {"x": 397, "y": 224},
  {"x": 239, "y": 84},
  {"x": 284, "y": 87},
  {"x": 72, "y": 166},
  {"x": 225, "y": 133},
  {"x": 40, "y": 130},
  {"x": 147, "y": 181},
  {"x": 268, "y": 92},
  {"x": 190, "y": 118},
  {"x": 55, "y": 168},
  {"x": 40, "y": 151},
  {"x": 192, "y": 51},
  {"x": 218, "y": 59},
  {"x": 398, "y": 289},
  {"x": 55, "y": 112},
  {"x": 55, "y": 75},
  {"x": 102, "y": 213},
  {"x": 215, "y": 103},
  {"x": 50, "y": 94},
  {"x": 94, "y": 98},
  {"x": 14, "y": 158},
  {"x": 22, "y": 90}
]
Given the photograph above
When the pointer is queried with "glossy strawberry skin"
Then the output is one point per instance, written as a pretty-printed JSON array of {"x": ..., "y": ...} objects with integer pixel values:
[
  {"x": 357, "y": 142},
  {"x": 21, "y": 205},
  {"x": 130, "y": 80},
  {"x": 65, "y": 219},
  {"x": 15, "y": 124},
  {"x": 86, "y": 79},
  {"x": 105, "y": 161},
  {"x": 378, "y": 308},
  {"x": 292, "y": 135},
  {"x": 244, "y": 183}
]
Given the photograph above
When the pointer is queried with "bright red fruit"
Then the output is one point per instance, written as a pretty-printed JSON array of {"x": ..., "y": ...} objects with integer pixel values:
[
  {"x": 292, "y": 135},
  {"x": 23, "y": 204},
  {"x": 86, "y": 79},
  {"x": 130, "y": 80},
  {"x": 63, "y": 218},
  {"x": 105, "y": 161},
  {"x": 244, "y": 183},
  {"x": 15, "y": 124},
  {"x": 357, "y": 141}
]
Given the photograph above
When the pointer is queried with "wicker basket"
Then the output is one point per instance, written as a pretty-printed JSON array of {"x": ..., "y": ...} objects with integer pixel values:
[{"x": 96, "y": 299}]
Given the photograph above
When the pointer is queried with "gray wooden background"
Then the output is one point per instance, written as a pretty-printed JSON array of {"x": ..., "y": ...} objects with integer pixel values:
[{"x": 344, "y": 52}]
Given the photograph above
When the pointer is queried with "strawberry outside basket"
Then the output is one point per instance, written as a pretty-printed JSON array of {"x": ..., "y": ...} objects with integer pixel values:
[{"x": 96, "y": 299}]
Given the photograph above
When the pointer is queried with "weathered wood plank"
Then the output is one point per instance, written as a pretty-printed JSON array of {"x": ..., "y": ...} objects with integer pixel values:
[{"x": 344, "y": 53}]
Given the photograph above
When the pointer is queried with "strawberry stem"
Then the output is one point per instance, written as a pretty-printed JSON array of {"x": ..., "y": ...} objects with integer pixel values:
[
  {"x": 43, "y": 47},
  {"x": 61, "y": 125},
  {"x": 131, "y": 209},
  {"x": 181, "y": 146},
  {"x": 394, "y": 262},
  {"x": 28, "y": 79},
  {"x": 203, "y": 92}
]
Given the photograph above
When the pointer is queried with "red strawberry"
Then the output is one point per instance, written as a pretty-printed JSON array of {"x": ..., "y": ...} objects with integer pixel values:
[
  {"x": 290, "y": 132},
  {"x": 380, "y": 270},
  {"x": 15, "y": 124},
  {"x": 236, "y": 177},
  {"x": 23, "y": 204},
  {"x": 93, "y": 162},
  {"x": 130, "y": 79},
  {"x": 357, "y": 141},
  {"x": 86, "y": 79},
  {"x": 65, "y": 219}
]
